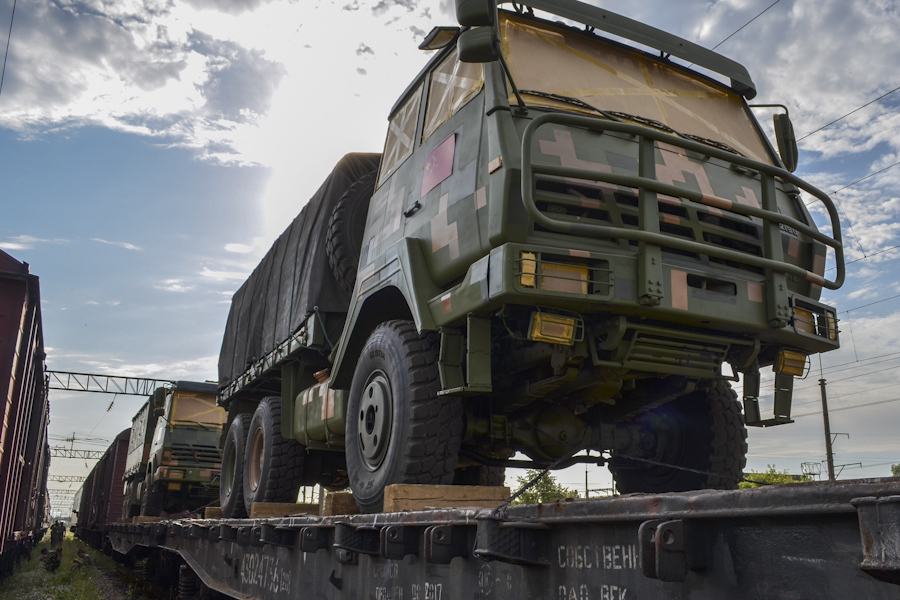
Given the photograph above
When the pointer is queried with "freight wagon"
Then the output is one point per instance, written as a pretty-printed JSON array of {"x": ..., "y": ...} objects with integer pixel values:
[
  {"x": 102, "y": 493},
  {"x": 24, "y": 414}
]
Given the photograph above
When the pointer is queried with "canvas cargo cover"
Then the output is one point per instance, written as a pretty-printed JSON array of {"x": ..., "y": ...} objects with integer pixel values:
[{"x": 292, "y": 279}]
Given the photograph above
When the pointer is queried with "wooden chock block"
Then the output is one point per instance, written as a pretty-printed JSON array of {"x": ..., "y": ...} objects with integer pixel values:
[
  {"x": 143, "y": 519},
  {"x": 212, "y": 512},
  {"x": 261, "y": 510},
  {"x": 400, "y": 497},
  {"x": 339, "y": 503}
]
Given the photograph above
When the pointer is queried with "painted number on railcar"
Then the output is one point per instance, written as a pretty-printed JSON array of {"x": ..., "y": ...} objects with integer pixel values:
[{"x": 266, "y": 573}]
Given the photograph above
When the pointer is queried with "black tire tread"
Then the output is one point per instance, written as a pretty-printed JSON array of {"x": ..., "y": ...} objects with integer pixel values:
[
  {"x": 726, "y": 438},
  {"x": 434, "y": 435},
  {"x": 282, "y": 481},
  {"x": 234, "y": 508},
  {"x": 480, "y": 475},
  {"x": 152, "y": 498}
]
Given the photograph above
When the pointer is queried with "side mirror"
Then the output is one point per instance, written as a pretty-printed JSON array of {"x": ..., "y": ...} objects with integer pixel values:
[
  {"x": 477, "y": 45},
  {"x": 159, "y": 412},
  {"x": 787, "y": 141},
  {"x": 475, "y": 13}
]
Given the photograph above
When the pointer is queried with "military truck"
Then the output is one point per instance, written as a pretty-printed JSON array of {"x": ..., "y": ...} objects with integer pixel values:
[
  {"x": 174, "y": 459},
  {"x": 577, "y": 236}
]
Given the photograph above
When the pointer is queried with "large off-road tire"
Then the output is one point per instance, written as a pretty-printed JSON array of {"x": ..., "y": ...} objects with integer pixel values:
[
  {"x": 153, "y": 498},
  {"x": 231, "y": 484},
  {"x": 398, "y": 429},
  {"x": 345, "y": 231},
  {"x": 480, "y": 475},
  {"x": 273, "y": 465},
  {"x": 703, "y": 431}
]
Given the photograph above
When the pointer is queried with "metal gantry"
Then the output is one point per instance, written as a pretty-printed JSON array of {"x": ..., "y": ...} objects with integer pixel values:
[
  {"x": 70, "y": 453},
  {"x": 66, "y": 478},
  {"x": 104, "y": 384}
]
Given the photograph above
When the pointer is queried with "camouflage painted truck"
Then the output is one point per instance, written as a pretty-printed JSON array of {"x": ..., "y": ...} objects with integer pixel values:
[
  {"x": 568, "y": 249},
  {"x": 174, "y": 459}
]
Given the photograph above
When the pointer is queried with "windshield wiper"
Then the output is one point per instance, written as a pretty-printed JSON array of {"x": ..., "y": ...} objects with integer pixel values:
[
  {"x": 615, "y": 115},
  {"x": 571, "y": 100}
]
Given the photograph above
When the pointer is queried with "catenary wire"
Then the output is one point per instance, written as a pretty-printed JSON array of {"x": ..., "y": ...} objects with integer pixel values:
[
  {"x": 848, "y": 114},
  {"x": 8, "y": 38}
]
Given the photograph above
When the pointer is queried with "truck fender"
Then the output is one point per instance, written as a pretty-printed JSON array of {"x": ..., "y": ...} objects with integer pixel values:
[{"x": 396, "y": 285}]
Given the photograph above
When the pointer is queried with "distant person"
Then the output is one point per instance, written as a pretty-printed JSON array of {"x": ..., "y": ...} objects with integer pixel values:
[{"x": 83, "y": 559}]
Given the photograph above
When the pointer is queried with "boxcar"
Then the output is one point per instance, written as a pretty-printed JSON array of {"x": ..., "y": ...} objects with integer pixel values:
[{"x": 24, "y": 414}]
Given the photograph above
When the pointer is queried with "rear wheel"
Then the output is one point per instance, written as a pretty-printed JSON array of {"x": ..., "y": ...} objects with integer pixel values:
[
  {"x": 231, "y": 487},
  {"x": 273, "y": 465},
  {"x": 702, "y": 431},
  {"x": 398, "y": 429}
]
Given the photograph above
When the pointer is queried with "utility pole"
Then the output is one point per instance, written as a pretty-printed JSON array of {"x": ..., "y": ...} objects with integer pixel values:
[{"x": 829, "y": 456}]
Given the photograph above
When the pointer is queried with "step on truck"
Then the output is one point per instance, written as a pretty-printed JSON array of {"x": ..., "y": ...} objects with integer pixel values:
[
  {"x": 577, "y": 235},
  {"x": 174, "y": 458}
]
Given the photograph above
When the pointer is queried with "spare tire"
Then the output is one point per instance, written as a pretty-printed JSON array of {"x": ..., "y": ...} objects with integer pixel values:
[{"x": 343, "y": 240}]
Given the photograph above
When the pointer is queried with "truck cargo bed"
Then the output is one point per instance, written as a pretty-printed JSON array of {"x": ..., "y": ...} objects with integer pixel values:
[{"x": 820, "y": 540}]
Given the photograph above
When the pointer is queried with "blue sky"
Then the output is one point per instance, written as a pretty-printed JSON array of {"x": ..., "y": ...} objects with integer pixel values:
[{"x": 151, "y": 151}]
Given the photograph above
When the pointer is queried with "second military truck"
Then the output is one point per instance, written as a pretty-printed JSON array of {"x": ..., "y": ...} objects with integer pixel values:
[
  {"x": 174, "y": 457},
  {"x": 569, "y": 244}
]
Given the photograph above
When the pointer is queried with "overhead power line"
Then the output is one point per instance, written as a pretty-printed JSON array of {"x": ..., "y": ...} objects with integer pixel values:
[
  {"x": 745, "y": 24},
  {"x": 848, "y": 114},
  {"x": 8, "y": 38}
]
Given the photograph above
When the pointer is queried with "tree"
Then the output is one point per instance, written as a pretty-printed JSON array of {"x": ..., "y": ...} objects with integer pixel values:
[
  {"x": 546, "y": 489},
  {"x": 771, "y": 476},
  {"x": 895, "y": 470}
]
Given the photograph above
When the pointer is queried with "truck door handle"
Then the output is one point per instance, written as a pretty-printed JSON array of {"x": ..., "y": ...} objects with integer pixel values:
[{"x": 412, "y": 209}]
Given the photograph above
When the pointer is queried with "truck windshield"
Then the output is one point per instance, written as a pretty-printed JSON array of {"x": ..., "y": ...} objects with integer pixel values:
[
  {"x": 568, "y": 63},
  {"x": 189, "y": 407}
]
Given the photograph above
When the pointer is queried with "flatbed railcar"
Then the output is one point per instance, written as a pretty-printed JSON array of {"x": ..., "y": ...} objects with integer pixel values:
[
  {"x": 814, "y": 540},
  {"x": 24, "y": 414}
]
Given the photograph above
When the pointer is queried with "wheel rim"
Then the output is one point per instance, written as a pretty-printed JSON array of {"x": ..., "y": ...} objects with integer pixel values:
[
  {"x": 374, "y": 423},
  {"x": 256, "y": 459}
]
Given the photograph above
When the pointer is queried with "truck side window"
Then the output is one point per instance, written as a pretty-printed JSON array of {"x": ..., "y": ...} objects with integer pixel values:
[
  {"x": 452, "y": 84},
  {"x": 400, "y": 136}
]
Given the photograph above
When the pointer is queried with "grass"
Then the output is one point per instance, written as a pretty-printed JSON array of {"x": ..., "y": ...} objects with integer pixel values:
[{"x": 32, "y": 581}]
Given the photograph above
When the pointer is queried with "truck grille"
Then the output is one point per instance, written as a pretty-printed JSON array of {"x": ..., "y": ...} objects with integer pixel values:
[
  {"x": 200, "y": 455},
  {"x": 568, "y": 200}
]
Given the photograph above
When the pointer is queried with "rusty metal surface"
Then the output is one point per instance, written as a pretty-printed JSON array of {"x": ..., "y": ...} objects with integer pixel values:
[{"x": 785, "y": 542}]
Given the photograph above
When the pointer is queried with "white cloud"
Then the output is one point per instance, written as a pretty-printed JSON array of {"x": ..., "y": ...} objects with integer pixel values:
[
  {"x": 224, "y": 275},
  {"x": 26, "y": 242},
  {"x": 239, "y": 248},
  {"x": 174, "y": 285},
  {"x": 125, "y": 245}
]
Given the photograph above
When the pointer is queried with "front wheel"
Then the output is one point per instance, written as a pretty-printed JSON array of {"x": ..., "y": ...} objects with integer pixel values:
[
  {"x": 398, "y": 429},
  {"x": 702, "y": 432},
  {"x": 153, "y": 498}
]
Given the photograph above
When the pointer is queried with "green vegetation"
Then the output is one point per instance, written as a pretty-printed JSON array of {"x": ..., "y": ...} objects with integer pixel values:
[
  {"x": 547, "y": 489},
  {"x": 771, "y": 476},
  {"x": 32, "y": 581},
  {"x": 895, "y": 470}
]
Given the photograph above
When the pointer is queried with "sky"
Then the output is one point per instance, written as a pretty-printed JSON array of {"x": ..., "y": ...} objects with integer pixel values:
[{"x": 151, "y": 151}]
